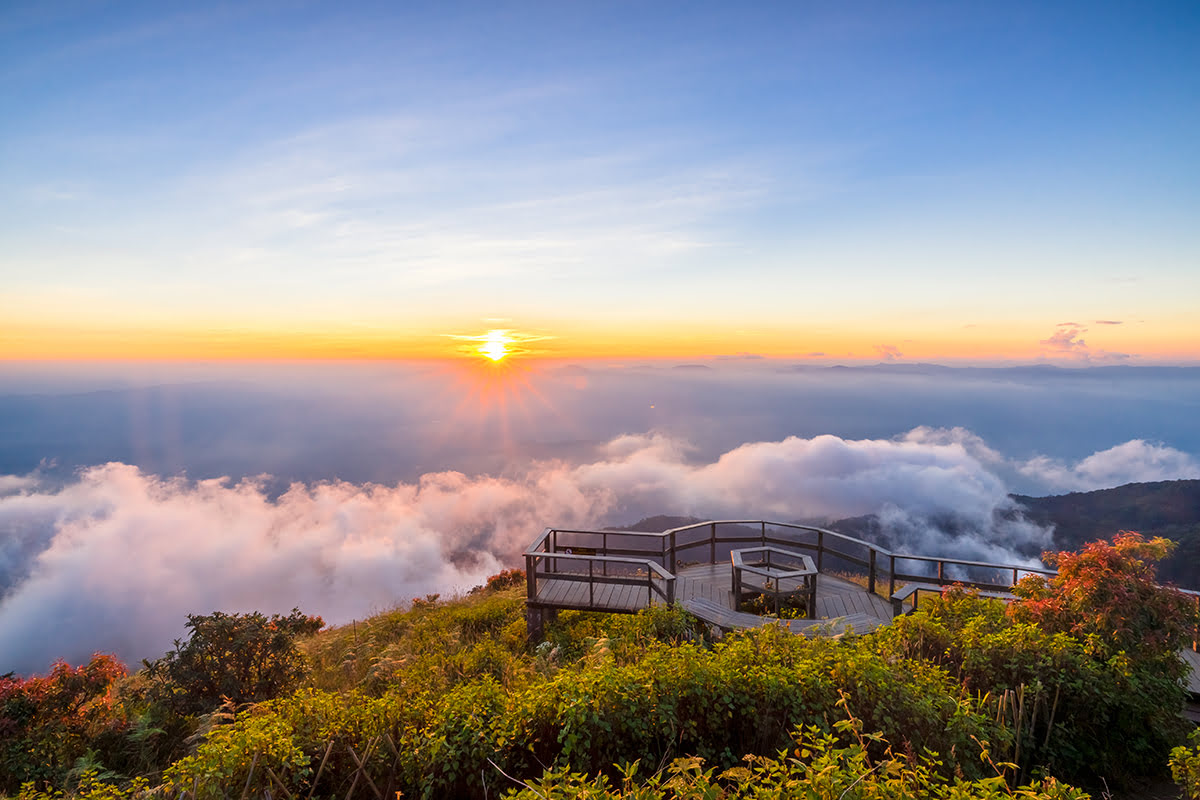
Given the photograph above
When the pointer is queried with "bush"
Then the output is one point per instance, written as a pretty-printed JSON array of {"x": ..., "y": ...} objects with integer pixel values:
[
  {"x": 244, "y": 658},
  {"x": 1064, "y": 667},
  {"x": 817, "y": 766},
  {"x": 47, "y": 723},
  {"x": 1185, "y": 766}
]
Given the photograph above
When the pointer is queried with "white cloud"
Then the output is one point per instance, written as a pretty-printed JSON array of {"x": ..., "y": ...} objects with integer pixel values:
[{"x": 1135, "y": 461}]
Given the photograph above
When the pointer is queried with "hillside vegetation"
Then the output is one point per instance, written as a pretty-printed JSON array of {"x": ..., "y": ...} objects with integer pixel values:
[
  {"x": 967, "y": 698},
  {"x": 1170, "y": 509}
]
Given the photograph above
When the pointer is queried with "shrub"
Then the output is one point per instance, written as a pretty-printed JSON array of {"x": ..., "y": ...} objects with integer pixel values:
[
  {"x": 244, "y": 658},
  {"x": 1062, "y": 666},
  {"x": 47, "y": 723},
  {"x": 1107, "y": 593},
  {"x": 1185, "y": 766},
  {"x": 817, "y": 766}
]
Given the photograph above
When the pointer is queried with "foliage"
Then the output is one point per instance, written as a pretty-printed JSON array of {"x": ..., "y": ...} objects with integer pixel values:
[
  {"x": 253, "y": 752},
  {"x": 1185, "y": 766},
  {"x": 790, "y": 607},
  {"x": 245, "y": 658},
  {"x": 505, "y": 579},
  {"x": 48, "y": 722},
  {"x": 91, "y": 786},
  {"x": 1108, "y": 593},
  {"x": 437, "y": 643},
  {"x": 817, "y": 767},
  {"x": 437, "y": 700},
  {"x": 1087, "y": 653}
]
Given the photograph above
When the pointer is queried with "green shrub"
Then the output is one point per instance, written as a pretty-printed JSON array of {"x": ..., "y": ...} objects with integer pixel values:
[
  {"x": 817, "y": 766},
  {"x": 245, "y": 658},
  {"x": 1185, "y": 766}
]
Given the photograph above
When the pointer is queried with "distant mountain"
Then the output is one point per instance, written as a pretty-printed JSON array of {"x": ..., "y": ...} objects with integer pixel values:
[
  {"x": 657, "y": 524},
  {"x": 1037, "y": 372},
  {"x": 1163, "y": 508}
]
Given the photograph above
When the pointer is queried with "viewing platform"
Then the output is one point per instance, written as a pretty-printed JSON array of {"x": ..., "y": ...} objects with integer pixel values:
[{"x": 843, "y": 583}]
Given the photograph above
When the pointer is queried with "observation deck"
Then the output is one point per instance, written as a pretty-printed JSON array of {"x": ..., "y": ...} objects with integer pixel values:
[{"x": 847, "y": 583}]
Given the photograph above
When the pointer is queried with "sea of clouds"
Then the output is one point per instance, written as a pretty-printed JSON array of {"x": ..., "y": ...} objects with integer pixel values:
[{"x": 114, "y": 558}]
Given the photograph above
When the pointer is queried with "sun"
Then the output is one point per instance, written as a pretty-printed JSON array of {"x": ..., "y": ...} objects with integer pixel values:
[{"x": 495, "y": 345}]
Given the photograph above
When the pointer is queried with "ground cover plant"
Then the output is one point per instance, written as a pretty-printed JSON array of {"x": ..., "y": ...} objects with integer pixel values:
[{"x": 965, "y": 698}]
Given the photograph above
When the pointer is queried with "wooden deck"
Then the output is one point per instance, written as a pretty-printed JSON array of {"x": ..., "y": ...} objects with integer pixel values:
[
  {"x": 1193, "y": 659},
  {"x": 837, "y": 599}
]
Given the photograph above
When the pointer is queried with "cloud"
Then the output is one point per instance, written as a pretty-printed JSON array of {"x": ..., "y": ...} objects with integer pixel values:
[
  {"x": 1067, "y": 342},
  {"x": 888, "y": 352},
  {"x": 1066, "y": 338},
  {"x": 116, "y": 558},
  {"x": 1108, "y": 322},
  {"x": 1135, "y": 461}
]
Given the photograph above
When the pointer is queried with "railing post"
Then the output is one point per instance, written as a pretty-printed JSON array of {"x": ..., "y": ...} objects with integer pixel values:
[
  {"x": 672, "y": 552},
  {"x": 941, "y": 572},
  {"x": 530, "y": 578},
  {"x": 591, "y": 583},
  {"x": 871, "y": 574},
  {"x": 820, "y": 548},
  {"x": 762, "y": 537},
  {"x": 712, "y": 543},
  {"x": 671, "y": 591},
  {"x": 1014, "y": 583},
  {"x": 891, "y": 574}
]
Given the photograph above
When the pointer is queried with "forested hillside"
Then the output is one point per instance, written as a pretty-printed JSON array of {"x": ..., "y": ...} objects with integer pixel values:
[{"x": 1167, "y": 508}]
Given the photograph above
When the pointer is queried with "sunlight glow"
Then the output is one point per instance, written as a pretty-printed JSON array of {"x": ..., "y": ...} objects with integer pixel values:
[{"x": 495, "y": 344}]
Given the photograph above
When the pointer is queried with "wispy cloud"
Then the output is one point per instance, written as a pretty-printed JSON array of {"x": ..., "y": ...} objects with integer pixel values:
[
  {"x": 888, "y": 352},
  {"x": 1067, "y": 342}
]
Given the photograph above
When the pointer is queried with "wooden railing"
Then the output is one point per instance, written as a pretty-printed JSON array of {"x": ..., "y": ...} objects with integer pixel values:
[{"x": 586, "y": 555}]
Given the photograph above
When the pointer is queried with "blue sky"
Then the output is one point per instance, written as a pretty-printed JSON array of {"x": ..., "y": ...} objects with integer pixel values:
[{"x": 951, "y": 180}]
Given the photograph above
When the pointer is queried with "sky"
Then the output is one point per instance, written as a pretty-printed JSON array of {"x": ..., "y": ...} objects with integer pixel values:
[{"x": 917, "y": 181}]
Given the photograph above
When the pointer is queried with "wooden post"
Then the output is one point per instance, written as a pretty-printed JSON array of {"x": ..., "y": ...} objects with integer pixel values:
[
  {"x": 762, "y": 537},
  {"x": 534, "y": 623},
  {"x": 591, "y": 583},
  {"x": 871, "y": 574},
  {"x": 712, "y": 543},
  {"x": 820, "y": 548},
  {"x": 891, "y": 575},
  {"x": 672, "y": 552},
  {"x": 941, "y": 572},
  {"x": 1014, "y": 583},
  {"x": 530, "y": 577}
]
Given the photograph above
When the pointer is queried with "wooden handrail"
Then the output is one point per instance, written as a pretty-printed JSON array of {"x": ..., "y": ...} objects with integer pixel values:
[
  {"x": 669, "y": 547},
  {"x": 546, "y": 547}
]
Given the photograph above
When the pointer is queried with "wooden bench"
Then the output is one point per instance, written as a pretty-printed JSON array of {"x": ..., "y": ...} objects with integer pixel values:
[{"x": 727, "y": 620}]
